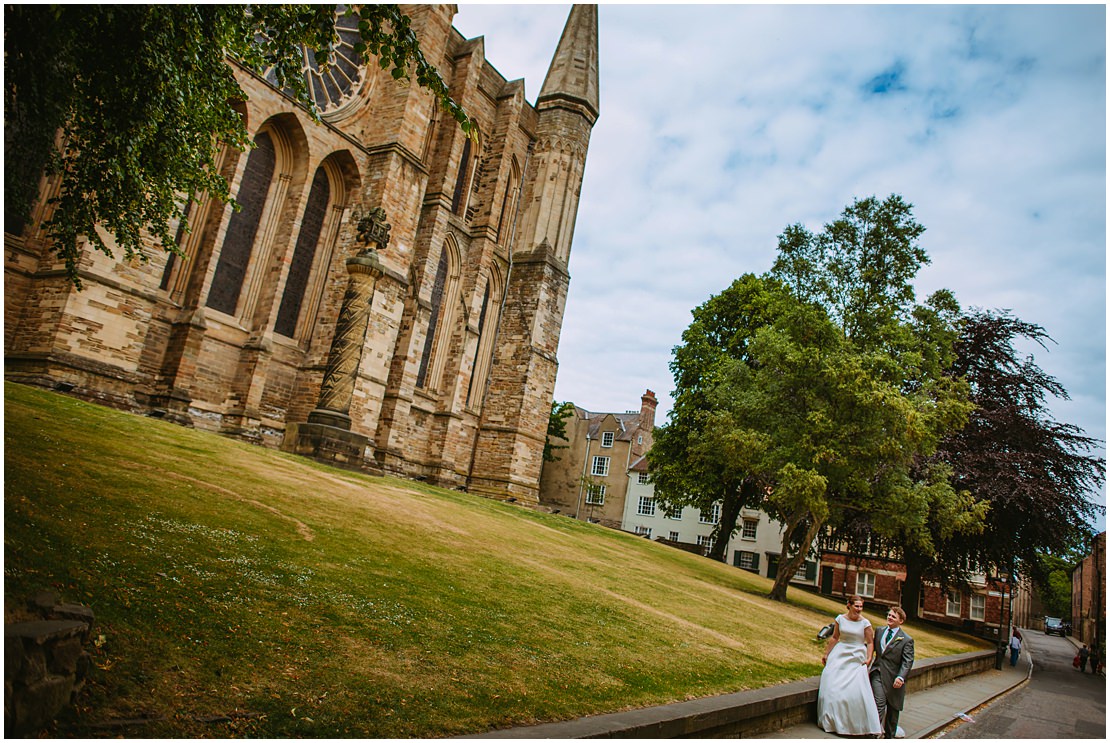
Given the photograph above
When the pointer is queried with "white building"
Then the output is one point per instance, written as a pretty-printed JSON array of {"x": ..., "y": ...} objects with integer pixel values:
[{"x": 755, "y": 546}]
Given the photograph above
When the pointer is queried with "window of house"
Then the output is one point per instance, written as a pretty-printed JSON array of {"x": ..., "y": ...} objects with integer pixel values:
[
  {"x": 952, "y": 607},
  {"x": 703, "y": 541},
  {"x": 640, "y": 439},
  {"x": 600, "y": 466},
  {"x": 643, "y": 478},
  {"x": 673, "y": 512},
  {"x": 647, "y": 506},
  {"x": 747, "y": 560},
  {"x": 712, "y": 516},
  {"x": 865, "y": 584},
  {"x": 978, "y": 607},
  {"x": 607, "y": 439},
  {"x": 747, "y": 531},
  {"x": 595, "y": 495},
  {"x": 673, "y": 536},
  {"x": 644, "y": 531}
]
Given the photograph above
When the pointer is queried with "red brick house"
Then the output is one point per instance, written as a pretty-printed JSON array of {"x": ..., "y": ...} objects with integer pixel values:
[{"x": 981, "y": 608}]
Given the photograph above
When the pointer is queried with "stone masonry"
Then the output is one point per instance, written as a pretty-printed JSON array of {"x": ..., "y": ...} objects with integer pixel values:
[{"x": 458, "y": 364}]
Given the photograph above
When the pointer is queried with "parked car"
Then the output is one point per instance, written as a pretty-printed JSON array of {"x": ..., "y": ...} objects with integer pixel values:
[{"x": 1054, "y": 626}]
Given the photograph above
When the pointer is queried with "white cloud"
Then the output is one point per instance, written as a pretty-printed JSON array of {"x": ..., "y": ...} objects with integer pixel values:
[{"x": 722, "y": 124}]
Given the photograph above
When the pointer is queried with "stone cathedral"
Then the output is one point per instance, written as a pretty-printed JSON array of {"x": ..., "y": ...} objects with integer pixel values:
[{"x": 390, "y": 295}]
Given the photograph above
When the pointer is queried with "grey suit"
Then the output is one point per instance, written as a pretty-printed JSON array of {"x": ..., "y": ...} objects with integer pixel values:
[{"x": 891, "y": 661}]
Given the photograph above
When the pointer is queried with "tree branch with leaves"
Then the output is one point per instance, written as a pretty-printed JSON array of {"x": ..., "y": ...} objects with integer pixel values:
[{"x": 130, "y": 105}]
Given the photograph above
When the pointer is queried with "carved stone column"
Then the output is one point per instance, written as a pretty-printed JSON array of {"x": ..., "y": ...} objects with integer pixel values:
[{"x": 327, "y": 434}]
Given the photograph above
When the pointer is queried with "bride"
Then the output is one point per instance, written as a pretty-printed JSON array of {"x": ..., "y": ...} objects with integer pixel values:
[{"x": 845, "y": 703}]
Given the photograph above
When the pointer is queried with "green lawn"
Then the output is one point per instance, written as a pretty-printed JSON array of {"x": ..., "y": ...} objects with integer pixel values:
[{"x": 304, "y": 601}]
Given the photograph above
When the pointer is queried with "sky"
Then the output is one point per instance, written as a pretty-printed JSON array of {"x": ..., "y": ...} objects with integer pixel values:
[{"x": 723, "y": 124}]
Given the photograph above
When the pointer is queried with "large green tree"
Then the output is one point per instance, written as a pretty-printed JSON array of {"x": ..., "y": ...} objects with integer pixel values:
[
  {"x": 1034, "y": 476},
  {"x": 691, "y": 459},
  {"x": 860, "y": 268},
  {"x": 131, "y": 104},
  {"x": 819, "y": 389}
]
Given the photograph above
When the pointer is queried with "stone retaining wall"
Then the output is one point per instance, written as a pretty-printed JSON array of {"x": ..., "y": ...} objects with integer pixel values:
[
  {"x": 742, "y": 714},
  {"x": 45, "y": 664}
]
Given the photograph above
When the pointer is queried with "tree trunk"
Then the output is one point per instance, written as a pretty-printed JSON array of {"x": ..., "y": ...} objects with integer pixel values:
[
  {"x": 911, "y": 589},
  {"x": 788, "y": 567},
  {"x": 731, "y": 504}
]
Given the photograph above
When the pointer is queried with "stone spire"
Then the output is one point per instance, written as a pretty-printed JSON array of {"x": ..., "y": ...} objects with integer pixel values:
[
  {"x": 509, "y": 455},
  {"x": 572, "y": 78}
]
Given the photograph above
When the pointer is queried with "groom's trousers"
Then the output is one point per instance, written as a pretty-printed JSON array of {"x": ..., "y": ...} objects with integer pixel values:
[{"x": 888, "y": 715}]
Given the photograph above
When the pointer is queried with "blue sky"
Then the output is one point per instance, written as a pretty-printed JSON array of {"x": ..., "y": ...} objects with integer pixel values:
[{"x": 722, "y": 124}]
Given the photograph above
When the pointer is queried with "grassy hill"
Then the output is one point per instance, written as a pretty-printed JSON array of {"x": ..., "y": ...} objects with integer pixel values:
[{"x": 290, "y": 599}]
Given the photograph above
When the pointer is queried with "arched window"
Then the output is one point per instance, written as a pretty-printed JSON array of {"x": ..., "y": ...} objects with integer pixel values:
[
  {"x": 433, "y": 321},
  {"x": 179, "y": 240},
  {"x": 304, "y": 255},
  {"x": 487, "y": 337},
  {"x": 508, "y": 205},
  {"x": 231, "y": 269},
  {"x": 474, "y": 381},
  {"x": 458, "y": 202}
]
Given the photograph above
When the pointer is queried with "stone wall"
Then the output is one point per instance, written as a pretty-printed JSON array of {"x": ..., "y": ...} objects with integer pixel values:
[
  {"x": 740, "y": 715},
  {"x": 45, "y": 664}
]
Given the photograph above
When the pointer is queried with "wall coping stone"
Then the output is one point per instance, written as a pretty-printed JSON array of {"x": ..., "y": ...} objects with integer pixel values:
[{"x": 701, "y": 717}]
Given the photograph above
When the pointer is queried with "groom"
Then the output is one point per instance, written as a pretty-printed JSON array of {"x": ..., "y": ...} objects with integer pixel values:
[{"x": 890, "y": 668}]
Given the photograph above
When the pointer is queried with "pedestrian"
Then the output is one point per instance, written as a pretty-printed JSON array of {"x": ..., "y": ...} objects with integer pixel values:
[
  {"x": 1084, "y": 654},
  {"x": 890, "y": 669},
  {"x": 1015, "y": 647},
  {"x": 1096, "y": 659}
]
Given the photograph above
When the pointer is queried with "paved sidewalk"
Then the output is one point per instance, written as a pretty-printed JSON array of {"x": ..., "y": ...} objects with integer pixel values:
[{"x": 933, "y": 709}]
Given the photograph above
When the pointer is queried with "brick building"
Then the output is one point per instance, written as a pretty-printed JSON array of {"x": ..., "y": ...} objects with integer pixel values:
[
  {"x": 981, "y": 608},
  {"x": 391, "y": 295},
  {"x": 1088, "y": 595}
]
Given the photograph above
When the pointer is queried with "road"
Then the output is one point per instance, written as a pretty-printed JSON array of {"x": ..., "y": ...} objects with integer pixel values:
[{"x": 1058, "y": 701}]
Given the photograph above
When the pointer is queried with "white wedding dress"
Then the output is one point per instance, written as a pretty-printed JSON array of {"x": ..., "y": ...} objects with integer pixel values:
[{"x": 845, "y": 704}]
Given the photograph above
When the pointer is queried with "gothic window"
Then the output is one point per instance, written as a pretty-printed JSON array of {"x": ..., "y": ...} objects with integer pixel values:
[
  {"x": 433, "y": 321},
  {"x": 461, "y": 181},
  {"x": 231, "y": 269},
  {"x": 336, "y": 84},
  {"x": 487, "y": 335},
  {"x": 508, "y": 205},
  {"x": 179, "y": 241},
  {"x": 481, "y": 332},
  {"x": 304, "y": 255}
]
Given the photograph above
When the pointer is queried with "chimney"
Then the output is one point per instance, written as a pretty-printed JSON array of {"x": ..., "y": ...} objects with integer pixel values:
[{"x": 648, "y": 404}]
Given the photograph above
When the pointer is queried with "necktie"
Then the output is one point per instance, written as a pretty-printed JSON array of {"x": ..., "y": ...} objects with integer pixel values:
[{"x": 886, "y": 638}]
